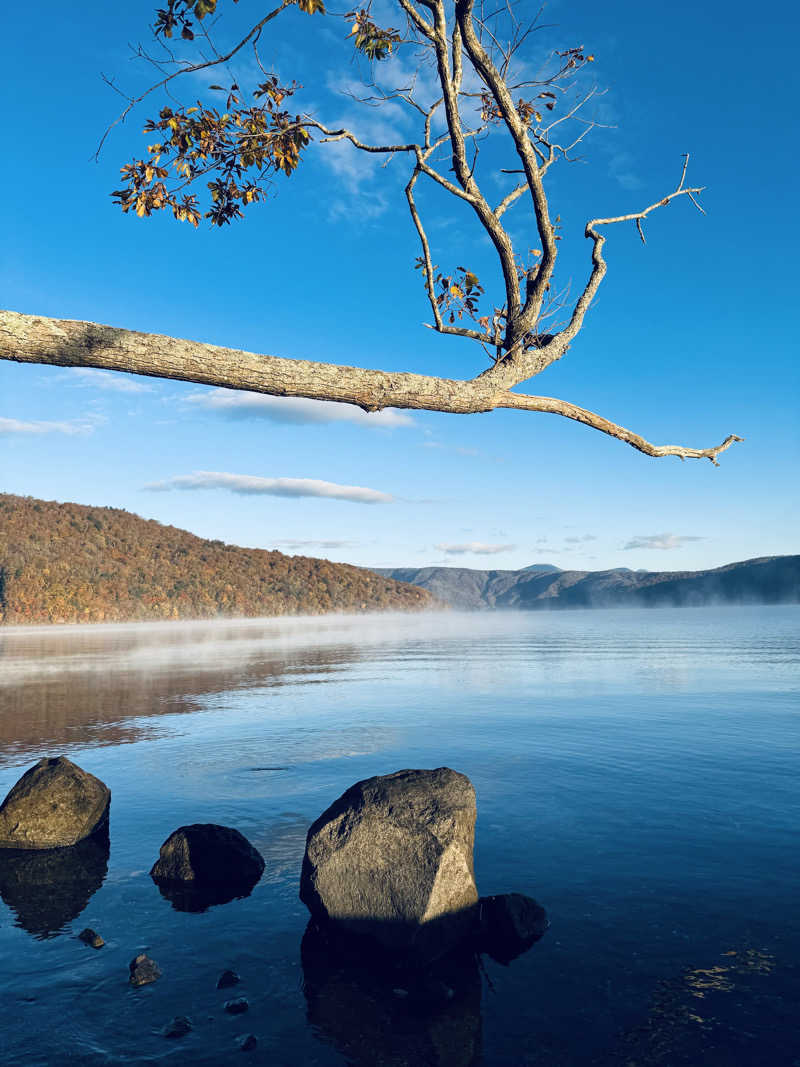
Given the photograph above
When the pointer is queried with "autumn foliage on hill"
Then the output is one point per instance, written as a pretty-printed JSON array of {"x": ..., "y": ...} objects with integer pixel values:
[{"x": 64, "y": 563}]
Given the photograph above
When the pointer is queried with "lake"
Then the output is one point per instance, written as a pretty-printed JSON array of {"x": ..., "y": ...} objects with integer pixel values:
[{"x": 636, "y": 772}]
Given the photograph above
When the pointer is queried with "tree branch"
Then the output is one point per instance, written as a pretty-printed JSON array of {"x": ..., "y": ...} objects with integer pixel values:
[
  {"x": 521, "y": 321},
  {"x": 70, "y": 343},
  {"x": 346, "y": 135},
  {"x": 463, "y": 171},
  {"x": 599, "y": 265},
  {"x": 192, "y": 68}
]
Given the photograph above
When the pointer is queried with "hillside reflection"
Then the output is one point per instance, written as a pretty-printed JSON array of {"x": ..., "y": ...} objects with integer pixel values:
[{"x": 70, "y": 687}]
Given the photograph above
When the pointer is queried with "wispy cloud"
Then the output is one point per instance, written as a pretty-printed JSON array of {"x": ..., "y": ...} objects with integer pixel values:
[
  {"x": 579, "y": 540},
  {"x": 458, "y": 449},
  {"x": 621, "y": 167},
  {"x": 294, "y": 545},
  {"x": 110, "y": 380},
  {"x": 479, "y": 548},
  {"x": 75, "y": 426},
  {"x": 252, "y": 485},
  {"x": 293, "y": 410},
  {"x": 664, "y": 542}
]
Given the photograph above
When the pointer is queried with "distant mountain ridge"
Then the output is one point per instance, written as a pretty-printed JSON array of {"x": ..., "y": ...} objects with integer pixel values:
[
  {"x": 766, "y": 580},
  {"x": 71, "y": 563}
]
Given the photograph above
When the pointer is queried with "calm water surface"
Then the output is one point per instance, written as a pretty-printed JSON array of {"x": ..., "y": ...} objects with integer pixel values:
[{"x": 636, "y": 772}]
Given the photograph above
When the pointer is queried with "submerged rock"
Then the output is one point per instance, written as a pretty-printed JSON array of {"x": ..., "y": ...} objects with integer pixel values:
[
  {"x": 391, "y": 861},
  {"x": 247, "y": 1042},
  {"x": 228, "y": 979},
  {"x": 205, "y": 864},
  {"x": 237, "y": 1006},
  {"x": 180, "y": 1026},
  {"x": 509, "y": 924},
  {"x": 48, "y": 888},
  {"x": 53, "y": 805},
  {"x": 91, "y": 938},
  {"x": 143, "y": 970}
]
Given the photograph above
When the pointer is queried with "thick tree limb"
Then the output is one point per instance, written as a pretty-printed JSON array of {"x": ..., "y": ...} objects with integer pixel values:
[
  {"x": 71, "y": 343},
  {"x": 520, "y": 322}
]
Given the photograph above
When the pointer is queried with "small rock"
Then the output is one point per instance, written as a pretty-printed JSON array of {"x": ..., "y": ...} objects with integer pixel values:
[
  {"x": 205, "y": 854},
  {"x": 247, "y": 1042},
  {"x": 143, "y": 970},
  {"x": 510, "y": 924},
  {"x": 236, "y": 1006},
  {"x": 227, "y": 979},
  {"x": 89, "y": 937},
  {"x": 179, "y": 1027}
]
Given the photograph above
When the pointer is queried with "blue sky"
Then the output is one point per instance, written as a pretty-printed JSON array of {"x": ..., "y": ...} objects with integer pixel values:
[{"x": 692, "y": 337}]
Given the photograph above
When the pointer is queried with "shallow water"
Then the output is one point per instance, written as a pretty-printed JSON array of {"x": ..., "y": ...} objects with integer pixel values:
[{"x": 636, "y": 772}]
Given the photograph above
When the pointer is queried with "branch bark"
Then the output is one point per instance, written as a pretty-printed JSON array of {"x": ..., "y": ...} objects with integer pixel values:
[{"x": 73, "y": 343}]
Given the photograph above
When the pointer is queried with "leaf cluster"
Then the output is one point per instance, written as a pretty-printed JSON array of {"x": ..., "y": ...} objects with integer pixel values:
[
  {"x": 176, "y": 15},
  {"x": 370, "y": 39},
  {"x": 243, "y": 146},
  {"x": 457, "y": 294},
  {"x": 528, "y": 110}
]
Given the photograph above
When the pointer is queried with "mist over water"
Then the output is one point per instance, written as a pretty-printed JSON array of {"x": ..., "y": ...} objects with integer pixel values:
[{"x": 635, "y": 772}]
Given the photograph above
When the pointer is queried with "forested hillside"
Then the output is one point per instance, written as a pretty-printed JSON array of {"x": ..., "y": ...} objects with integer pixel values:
[{"x": 71, "y": 563}]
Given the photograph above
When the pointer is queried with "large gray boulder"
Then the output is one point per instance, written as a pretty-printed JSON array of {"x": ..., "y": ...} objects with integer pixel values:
[
  {"x": 53, "y": 805},
  {"x": 391, "y": 860}
]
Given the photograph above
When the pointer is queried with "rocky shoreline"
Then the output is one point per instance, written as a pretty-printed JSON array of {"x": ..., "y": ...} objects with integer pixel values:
[{"x": 387, "y": 876}]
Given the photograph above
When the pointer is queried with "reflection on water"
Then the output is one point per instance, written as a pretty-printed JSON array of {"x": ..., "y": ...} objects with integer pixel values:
[
  {"x": 62, "y": 686},
  {"x": 185, "y": 897},
  {"x": 636, "y": 771},
  {"x": 66, "y": 686},
  {"x": 373, "y": 1016},
  {"x": 727, "y": 1013},
  {"x": 47, "y": 889}
]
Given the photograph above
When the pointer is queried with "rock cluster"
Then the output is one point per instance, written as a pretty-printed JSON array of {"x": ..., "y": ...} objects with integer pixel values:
[{"x": 387, "y": 875}]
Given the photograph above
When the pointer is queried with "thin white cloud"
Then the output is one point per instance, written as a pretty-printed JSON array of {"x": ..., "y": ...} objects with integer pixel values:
[
  {"x": 113, "y": 381},
  {"x": 76, "y": 426},
  {"x": 252, "y": 485},
  {"x": 458, "y": 449},
  {"x": 293, "y": 545},
  {"x": 664, "y": 542},
  {"x": 580, "y": 540},
  {"x": 479, "y": 548},
  {"x": 293, "y": 410},
  {"x": 621, "y": 167}
]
